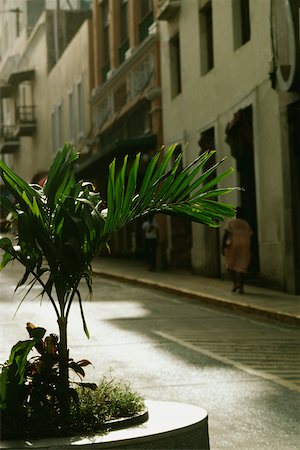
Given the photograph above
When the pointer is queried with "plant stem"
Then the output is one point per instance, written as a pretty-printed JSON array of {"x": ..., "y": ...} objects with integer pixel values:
[{"x": 64, "y": 392}]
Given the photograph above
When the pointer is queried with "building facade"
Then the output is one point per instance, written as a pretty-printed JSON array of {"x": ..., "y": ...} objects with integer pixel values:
[
  {"x": 141, "y": 74},
  {"x": 126, "y": 97},
  {"x": 231, "y": 81},
  {"x": 44, "y": 79}
]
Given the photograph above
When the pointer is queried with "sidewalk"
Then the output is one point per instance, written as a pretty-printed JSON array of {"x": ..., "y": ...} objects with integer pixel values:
[{"x": 265, "y": 302}]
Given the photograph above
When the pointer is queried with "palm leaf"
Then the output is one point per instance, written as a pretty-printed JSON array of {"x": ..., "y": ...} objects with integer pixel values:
[
  {"x": 173, "y": 192},
  {"x": 131, "y": 187},
  {"x": 63, "y": 225},
  {"x": 148, "y": 177},
  {"x": 61, "y": 176}
]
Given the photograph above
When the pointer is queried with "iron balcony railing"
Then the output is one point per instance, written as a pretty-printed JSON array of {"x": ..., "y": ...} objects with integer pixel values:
[
  {"x": 7, "y": 132},
  {"x": 26, "y": 114}
]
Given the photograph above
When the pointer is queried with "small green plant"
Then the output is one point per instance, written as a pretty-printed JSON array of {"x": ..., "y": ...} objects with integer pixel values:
[
  {"x": 65, "y": 223},
  {"x": 30, "y": 386},
  {"x": 111, "y": 400}
]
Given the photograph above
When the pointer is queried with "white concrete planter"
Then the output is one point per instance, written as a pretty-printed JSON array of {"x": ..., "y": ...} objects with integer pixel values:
[{"x": 170, "y": 426}]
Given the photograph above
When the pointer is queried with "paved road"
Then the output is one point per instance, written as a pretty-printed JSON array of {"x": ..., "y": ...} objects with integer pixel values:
[{"x": 244, "y": 371}]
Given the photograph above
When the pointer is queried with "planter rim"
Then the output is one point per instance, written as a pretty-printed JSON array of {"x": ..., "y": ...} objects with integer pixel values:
[{"x": 165, "y": 418}]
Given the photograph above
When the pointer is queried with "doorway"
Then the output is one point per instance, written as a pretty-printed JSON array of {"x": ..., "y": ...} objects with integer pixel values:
[
  {"x": 181, "y": 234},
  {"x": 240, "y": 139},
  {"x": 294, "y": 129},
  {"x": 212, "y": 239}
]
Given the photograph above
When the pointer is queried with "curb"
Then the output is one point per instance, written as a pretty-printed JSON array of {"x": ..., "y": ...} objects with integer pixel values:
[{"x": 208, "y": 299}]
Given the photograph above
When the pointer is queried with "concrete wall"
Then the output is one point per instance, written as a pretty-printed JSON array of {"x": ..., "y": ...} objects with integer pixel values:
[
  {"x": 238, "y": 79},
  {"x": 36, "y": 152},
  {"x": 26, "y": 54},
  {"x": 71, "y": 69},
  {"x": 204, "y": 98}
]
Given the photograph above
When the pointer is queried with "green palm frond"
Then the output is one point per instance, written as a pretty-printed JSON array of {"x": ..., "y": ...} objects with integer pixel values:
[
  {"x": 63, "y": 225},
  {"x": 184, "y": 193}
]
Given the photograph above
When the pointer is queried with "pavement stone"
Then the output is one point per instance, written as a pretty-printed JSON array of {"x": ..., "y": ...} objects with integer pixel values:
[{"x": 265, "y": 302}]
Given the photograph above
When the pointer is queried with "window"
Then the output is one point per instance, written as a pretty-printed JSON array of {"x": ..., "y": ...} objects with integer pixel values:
[
  {"x": 34, "y": 10},
  {"x": 207, "y": 142},
  {"x": 124, "y": 41},
  {"x": 80, "y": 108},
  {"x": 8, "y": 111},
  {"x": 241, "y": 22},
  {"x": 71, "y": 117},
  {"x": 123, "y": 20},
  {"x": 85, "y": 5},
  {"x": 25, "y": 109},
  {"x": 105, "y": 39},
  {"x": 60, "y": 125},
  {"x": 206, "y": 38},
  {"x": 146, "y": 18},
  {"x": 23, "y": 94},
  {"x": 146, "y": 8},
  {"x": 175, "y": 65},
  {"x": 53, "y": 132}
]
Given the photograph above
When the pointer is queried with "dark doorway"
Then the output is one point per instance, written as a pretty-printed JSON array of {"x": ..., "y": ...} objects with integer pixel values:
[
  {"x": 181, "y": 236},
  {"x": 240, "y": 138},
  {"x": 212, "y": 241},
  {"x": 294, "y": 127}
]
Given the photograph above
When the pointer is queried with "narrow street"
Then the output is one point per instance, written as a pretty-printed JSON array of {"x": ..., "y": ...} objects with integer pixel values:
[{"x": 244, "y": 371}]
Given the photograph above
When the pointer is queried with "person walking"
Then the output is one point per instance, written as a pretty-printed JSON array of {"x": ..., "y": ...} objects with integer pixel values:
[
  {"x": 150, "y": 227},
  {"x": 236, "y": 247}
]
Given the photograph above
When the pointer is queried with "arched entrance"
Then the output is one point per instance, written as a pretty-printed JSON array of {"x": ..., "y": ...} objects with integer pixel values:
[{"x": 240, "y": 139}]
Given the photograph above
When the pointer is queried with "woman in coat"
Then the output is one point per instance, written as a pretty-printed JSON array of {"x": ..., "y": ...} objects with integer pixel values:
[{"x": 236, "y": 248}]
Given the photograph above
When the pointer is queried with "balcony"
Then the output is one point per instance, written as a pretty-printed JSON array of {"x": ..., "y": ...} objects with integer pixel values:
[
  {"x": 16, "y": 78},
  {"x": 167, "y": 8},
  {"x": 9, "y": 143},
  {"x": 26, "y": 123}
]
